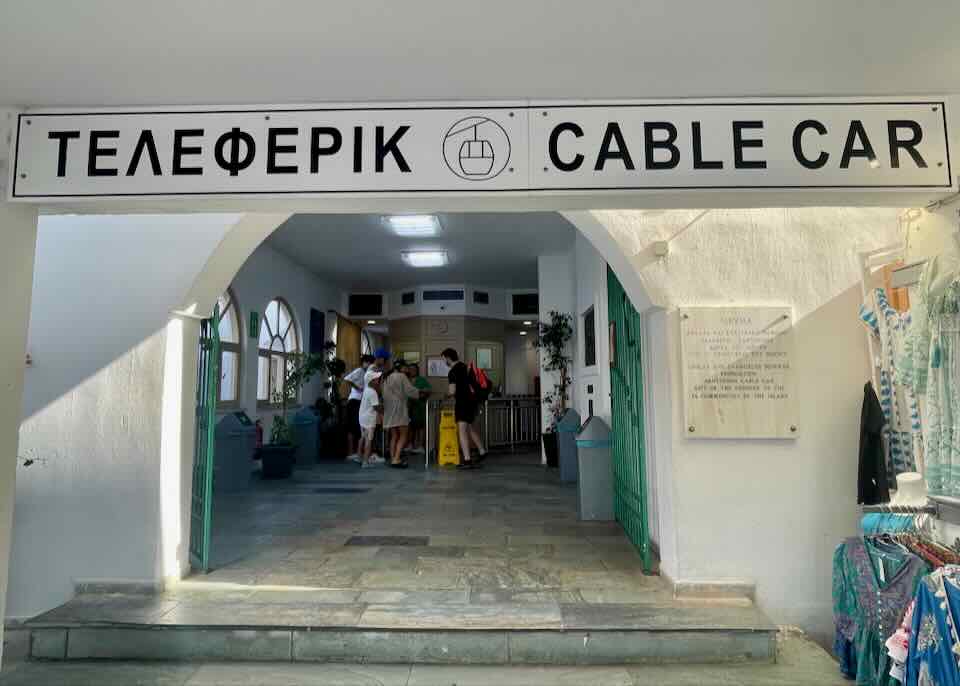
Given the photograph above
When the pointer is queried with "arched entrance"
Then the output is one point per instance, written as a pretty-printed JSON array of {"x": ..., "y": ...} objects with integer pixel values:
[{"x": 242, "y": 240}]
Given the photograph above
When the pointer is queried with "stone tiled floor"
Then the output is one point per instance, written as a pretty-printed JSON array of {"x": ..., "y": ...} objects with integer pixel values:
[
  {"x": 497, "y": 548},
  {"x": 507, "y": 533},
  {"x": 799, "y": 663}
]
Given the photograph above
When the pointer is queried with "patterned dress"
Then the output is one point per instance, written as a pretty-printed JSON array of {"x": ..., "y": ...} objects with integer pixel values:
[
  {"x": 901, "y": 432},
  {"x": 871, "y": 590},
  {"x": 934, "y": 647},
  {"x": 930, "y": 364}
]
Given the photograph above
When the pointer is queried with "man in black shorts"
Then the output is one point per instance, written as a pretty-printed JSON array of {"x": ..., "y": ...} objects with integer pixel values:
[{"x": 465, "y": 408}]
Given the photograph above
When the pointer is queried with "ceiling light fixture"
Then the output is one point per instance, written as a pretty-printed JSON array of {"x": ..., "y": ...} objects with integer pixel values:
[
  {"x": 528, "y": 323},
  {"x": 371, "y": 321},
  {"x": 523, "y": 333},
  {"x": 413, "y": 225},
  {"x": 425, "y": 258}
]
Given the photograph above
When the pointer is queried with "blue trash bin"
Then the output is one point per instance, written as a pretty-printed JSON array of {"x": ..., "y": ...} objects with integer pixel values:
[{"x": 595, "y": 488}]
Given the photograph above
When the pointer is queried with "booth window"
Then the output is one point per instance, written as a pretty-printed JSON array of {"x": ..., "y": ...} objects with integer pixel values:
[
  {"x": 228, "y": 394},
  {"x": 589, "y": 339},
  {"x": 278, "y": 341}
]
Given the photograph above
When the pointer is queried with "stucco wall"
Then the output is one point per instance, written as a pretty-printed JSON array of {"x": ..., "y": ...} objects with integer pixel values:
[
  {"x": 103, "y": 290},
  {"x": 769, "y": 512},
  {"x": 269, "y": 274}
]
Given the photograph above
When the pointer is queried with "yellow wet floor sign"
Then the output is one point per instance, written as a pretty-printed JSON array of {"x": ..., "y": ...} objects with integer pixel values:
[{"x": 449, "y": 444}]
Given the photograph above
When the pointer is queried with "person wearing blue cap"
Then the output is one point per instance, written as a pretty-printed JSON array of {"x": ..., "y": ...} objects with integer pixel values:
[{"x": 380, "y": 358}]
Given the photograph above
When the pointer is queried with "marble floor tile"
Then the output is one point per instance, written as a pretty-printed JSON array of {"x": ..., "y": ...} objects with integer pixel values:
[{"x": 531, "y": 616}]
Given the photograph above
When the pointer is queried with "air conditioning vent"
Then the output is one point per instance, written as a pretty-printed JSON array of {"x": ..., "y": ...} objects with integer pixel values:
[
  {"x": 365, "y": 305},
  {"x": 525, "y": 304},
  {"x": 481, "y": 298},
  {"x": 408, "y": 298},
  {"x": 443, "y": 296}
]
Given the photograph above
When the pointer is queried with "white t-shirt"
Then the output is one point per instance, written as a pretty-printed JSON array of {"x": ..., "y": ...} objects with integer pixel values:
[
  {"x": 356, "y": 377},
  {"x": 368, "y": 407}
]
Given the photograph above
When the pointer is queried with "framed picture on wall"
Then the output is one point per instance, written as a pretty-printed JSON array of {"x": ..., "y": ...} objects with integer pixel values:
[{"x": 436, "y": 367}]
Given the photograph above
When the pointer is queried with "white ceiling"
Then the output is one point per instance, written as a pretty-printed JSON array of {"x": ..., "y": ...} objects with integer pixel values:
[
  {"x": 357, "y": 252},
  {"x": 132, "y": 52}
]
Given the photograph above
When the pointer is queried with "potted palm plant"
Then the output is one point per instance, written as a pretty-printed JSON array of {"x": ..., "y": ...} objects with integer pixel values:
[
  {"x": 552, "y": 339},
  {"x": 277, "y": 455}
]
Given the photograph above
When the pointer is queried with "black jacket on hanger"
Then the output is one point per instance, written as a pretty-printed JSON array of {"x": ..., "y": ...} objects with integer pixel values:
[{"x": 872, "y": 485}]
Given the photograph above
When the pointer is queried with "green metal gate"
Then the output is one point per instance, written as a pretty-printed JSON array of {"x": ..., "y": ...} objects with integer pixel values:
[
  {"x": 626, "y": 386},
  {"x": 201, "y": 505}
]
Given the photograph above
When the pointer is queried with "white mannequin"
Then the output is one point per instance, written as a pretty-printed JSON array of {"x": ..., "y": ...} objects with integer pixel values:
[{"x": 911, "y": 490}]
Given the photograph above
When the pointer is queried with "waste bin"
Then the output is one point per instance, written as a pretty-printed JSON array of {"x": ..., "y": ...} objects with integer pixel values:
[
  {"x": 235, "y": 442},
  {"x": 567, "y": 429},
  {"x": 595, "y": 488},
  {"x": 305, "y": 428}
]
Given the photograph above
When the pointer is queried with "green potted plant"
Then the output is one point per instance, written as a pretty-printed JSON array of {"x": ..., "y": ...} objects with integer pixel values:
[
  {"x": 277, "y": 455},
  {"x": 552, "y": 339}
]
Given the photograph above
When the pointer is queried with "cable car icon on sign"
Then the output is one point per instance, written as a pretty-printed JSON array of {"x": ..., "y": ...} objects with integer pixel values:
[{"x": 476, "y": 148}]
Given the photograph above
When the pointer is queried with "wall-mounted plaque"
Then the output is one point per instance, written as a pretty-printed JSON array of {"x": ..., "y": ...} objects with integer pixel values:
[{"x": 738, "y": 372}]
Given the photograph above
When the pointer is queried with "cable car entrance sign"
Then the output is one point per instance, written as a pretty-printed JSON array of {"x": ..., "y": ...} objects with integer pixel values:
[{"x": 524, "y": 148}]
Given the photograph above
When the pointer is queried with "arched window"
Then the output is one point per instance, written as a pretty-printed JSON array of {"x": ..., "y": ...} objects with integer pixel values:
[
  {"x": 278, "y": 339},
  {"x": 229, "y": 392}
]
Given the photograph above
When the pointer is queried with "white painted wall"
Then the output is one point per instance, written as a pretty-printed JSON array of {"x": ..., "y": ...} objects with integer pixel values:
[
  {"x": 557, "y": 290},
  {"x": 770, "y": 512},
  {"x": 269, "y": 274},
  {"x": 19, "y": 226},
  {"x": 521, "y": 363},
  {"x": 103, "y": 290}
]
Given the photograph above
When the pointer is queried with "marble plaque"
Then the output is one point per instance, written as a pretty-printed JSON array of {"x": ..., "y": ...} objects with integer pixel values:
[{"x": 738, "y": 372}]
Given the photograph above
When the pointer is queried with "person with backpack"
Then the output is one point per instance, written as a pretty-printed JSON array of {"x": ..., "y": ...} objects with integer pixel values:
[{"x": 466, "y": 391}]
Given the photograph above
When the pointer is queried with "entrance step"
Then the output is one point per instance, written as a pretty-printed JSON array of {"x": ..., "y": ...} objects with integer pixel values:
[{"x": 149, "y": 628}]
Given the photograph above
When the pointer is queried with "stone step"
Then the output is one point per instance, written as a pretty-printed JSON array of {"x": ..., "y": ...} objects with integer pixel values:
[{"x": 550, "y": 634}]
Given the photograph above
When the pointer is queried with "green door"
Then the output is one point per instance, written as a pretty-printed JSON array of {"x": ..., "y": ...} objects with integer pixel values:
[
  {"x": 201, "y": 505},
  {"x": 626, "y": 386}
]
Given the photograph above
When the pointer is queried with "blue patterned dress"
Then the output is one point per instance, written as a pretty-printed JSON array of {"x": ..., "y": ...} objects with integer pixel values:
[
  {"x": 871, "y": 591},
  {"x": 901, "y": 432},
  {"x": 933, "y": 651}
]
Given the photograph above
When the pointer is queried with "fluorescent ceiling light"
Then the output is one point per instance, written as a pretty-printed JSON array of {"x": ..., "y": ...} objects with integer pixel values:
[
  {"x": 414, "y": 225},
  {"x": 425, "y": 258},
  {"x": 523, "y": 333},
  {"x": 528, "y": 323},
  {"x": 371, "y": 321}
]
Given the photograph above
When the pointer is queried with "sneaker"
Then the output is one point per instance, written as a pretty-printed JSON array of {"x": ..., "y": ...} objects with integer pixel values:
[
  {"x": 417, "y": 451},
  {"x": 399, "y": 465},
  {"x": 368, "y": 465},
  {"x": 355, "y": 458},
  {"x": 376, "y": 459},
  {"x": 467, "y": 465}
]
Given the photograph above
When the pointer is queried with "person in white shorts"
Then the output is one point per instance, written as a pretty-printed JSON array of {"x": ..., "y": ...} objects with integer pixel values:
[{"x": 371, "y": 414}]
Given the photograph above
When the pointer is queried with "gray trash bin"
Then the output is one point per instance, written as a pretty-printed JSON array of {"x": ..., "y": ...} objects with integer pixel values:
[
  {"x": 235, "y": 444},
  {"x": 595, "y": 489},
  {"x": 306, "y": 433},
  {"x": 567, "y": 429}
]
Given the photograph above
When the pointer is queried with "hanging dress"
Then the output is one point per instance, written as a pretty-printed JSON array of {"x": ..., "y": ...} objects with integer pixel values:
[
  {"x": 931, "y": 363},
  {"x": 934, "y": 648},
  {"x": 871, "y": 591},
  {"x": 900, "y": 410}
]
